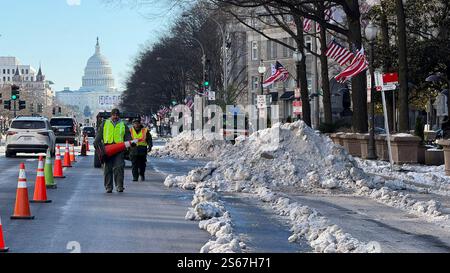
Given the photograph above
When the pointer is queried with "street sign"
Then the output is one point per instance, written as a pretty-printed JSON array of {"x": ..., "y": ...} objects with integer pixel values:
[
  {"x": 390, "y": 78},
  {"x": 211, "y": 95},
  {"x": 297, "y": 107},
  {"x": 388, "y": 87},
  {"x": 261, "y": 101},
  {"x": 297, "y": 92}
]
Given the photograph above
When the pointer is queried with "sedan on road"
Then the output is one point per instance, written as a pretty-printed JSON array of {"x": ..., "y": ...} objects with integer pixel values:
[{"x": 29, "y": 135}]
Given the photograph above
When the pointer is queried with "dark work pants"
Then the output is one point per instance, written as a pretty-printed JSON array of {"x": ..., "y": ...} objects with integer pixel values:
[
  {"x": 114, "y": 170},
  {"x": 138, "y": 165}
]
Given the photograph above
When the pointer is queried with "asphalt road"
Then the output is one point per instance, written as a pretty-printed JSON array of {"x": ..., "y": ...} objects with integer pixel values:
[{"x": 82, "y": 217}]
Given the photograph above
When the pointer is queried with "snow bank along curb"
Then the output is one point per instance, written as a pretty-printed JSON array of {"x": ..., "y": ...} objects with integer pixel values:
[
  {"x": 209, "y": 210},
  {"x": 418, "y": 177},
  {"x": 190, "y": 144},
  {"x": 308, "y": 223}
]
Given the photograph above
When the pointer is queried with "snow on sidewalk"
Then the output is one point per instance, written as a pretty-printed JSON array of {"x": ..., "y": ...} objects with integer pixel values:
[{"x": 420, "y": 176}]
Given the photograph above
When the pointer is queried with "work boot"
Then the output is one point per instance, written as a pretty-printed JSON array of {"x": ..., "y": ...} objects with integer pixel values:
[
  {"x": 142, "y": 178},
  {"x": 108, "y": 191},
  {"x": 119, "y": 190},
  {"x": 135, "y": 179}
]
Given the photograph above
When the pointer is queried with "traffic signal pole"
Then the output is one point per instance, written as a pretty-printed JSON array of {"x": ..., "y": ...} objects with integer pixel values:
[{"x": 15, "y": 109}]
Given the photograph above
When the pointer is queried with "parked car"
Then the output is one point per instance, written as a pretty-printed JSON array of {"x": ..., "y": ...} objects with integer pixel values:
[
  {"x": 66, "y": 129},
  {"x": 89, "y": 131},
  {"x": 30, "y": 135}
]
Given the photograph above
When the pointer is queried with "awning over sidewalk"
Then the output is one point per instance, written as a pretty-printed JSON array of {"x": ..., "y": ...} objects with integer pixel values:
[{"x": 288, "y": 95}]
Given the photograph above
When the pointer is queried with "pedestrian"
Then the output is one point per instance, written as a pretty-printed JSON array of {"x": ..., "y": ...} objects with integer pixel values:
[
  {"x": 112, "y": 131},
  {"x": 138, "y": 154}
]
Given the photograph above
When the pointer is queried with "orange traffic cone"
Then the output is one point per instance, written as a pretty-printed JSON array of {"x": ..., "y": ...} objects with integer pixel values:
[
  {"x": 3, "y": 248},
  {"x": 113, "y": 149},
  {"x": 40, "y": 190},
  {"x": 87, "y": 144},
  {"x": 67, "y": 157},
  {"x": 22, "y": 208},
  {"x": 58, "y": 170},
  {"x": 72, "y": 154}
]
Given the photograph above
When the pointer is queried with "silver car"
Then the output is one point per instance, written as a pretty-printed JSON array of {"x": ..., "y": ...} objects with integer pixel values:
[{"x": 30, "y": 135}]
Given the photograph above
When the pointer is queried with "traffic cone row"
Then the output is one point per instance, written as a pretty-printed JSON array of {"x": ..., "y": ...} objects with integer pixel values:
[{"x": 44, "y": 179}]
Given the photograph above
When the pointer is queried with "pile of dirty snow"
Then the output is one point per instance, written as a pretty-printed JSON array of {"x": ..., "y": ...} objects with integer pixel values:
[
  {"x": 191, "y": 144},
  {"x": 430, "y": 177}
]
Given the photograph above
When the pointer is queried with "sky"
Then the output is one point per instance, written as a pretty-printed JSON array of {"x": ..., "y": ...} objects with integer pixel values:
[{"x": 61, "y": 34}]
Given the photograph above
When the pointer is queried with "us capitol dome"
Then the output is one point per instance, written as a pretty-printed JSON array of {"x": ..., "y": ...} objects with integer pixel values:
[{"x": 97, "y": 73}]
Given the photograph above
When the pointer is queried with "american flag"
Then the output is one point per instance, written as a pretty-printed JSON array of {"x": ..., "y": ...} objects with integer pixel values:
[
  {"x": 358, "y": 65},
  {"x": 190, "y": 103},
  {"x": 339, "y": 53},
  {"x": 307, "y": 23},
  {"x": 279, "y": 73}
]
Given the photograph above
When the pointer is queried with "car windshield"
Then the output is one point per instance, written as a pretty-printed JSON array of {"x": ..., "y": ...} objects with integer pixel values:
[
  {"x": 61, "y": 122},
  {"x": 28, "y": 124}
]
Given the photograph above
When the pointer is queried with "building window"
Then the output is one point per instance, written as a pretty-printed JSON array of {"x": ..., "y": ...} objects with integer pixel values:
[
  {"x": 285, "y": 49},
  {"x": 4, "y": 71},
  {"x": 32, "y": 78},
  {"x": 255, "y": 83},
  {"x": 8, "y": 71},
  {"x": 23, "y": 71},
  {"x": 271, "y": 50},
  {"x": 308, "y": 43},
  {"x": 4, "y": 79},
  {"x": 26, "y": 71},
  {"x": 255, "y": 50},
  {"x": 8, "y": 79},
  {"x": 291, "y": 43}
]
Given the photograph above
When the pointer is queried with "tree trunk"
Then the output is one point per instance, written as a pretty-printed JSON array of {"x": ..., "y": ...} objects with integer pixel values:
[
  {"x": 359, "y": 93},
  {"x": 324, "y": 73},
  {"x": 403, "y": 122},
  {"x": 306, "y": 107}
]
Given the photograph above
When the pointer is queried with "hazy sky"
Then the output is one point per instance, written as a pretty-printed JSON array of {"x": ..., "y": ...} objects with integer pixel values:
[{"x": 61, "y": 35}]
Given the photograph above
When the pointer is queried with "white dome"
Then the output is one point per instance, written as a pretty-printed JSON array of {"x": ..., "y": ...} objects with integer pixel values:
[{"x": 97, "y": 73}]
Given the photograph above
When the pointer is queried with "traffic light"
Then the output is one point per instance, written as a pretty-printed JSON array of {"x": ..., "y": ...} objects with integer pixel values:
[
  {"x": 7, "y": 104},
  {"x": 15, "y": 92},
  {"x": 22, "y": 104}
]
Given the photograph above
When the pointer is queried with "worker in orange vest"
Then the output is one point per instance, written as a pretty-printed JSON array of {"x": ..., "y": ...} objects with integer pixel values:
[{"x": 138, "y": 154}]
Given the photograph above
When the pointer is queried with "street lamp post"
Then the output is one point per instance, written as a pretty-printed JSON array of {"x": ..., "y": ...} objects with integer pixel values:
[
  {"x": 297, "y": 56},
  {"x": 261, "y": 71},
  {"x": 371, "y": 34},
  {"x": 224, "y": 60}
]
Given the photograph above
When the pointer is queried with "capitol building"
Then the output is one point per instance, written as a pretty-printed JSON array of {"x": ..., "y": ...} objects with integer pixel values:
[{"x": 98, "y": 91}]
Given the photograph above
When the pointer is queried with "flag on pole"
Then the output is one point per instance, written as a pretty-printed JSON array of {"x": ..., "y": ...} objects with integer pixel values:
[
  {"x": 339, "y": 53},
  {"x": 279, "y": 73},
  {"x": 358, "y": 65}
]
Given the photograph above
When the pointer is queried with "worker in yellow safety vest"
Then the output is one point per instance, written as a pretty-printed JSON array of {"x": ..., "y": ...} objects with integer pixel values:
[
  {"x": 138, "y": 154},
  {"x": 112, "y": 131}
]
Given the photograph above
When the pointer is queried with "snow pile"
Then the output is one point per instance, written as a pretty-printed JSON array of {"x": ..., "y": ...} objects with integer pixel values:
[
  {"x": 214, "y": 219},
  {"x": 430, "y": 209},
  {"x": 190, "y": 144},
  {"x": 284, "y": 155},
  {"x": 431, "y": 177},
  {"x": 226, "y": 241},
  {"x": 308, "y": 223}
]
